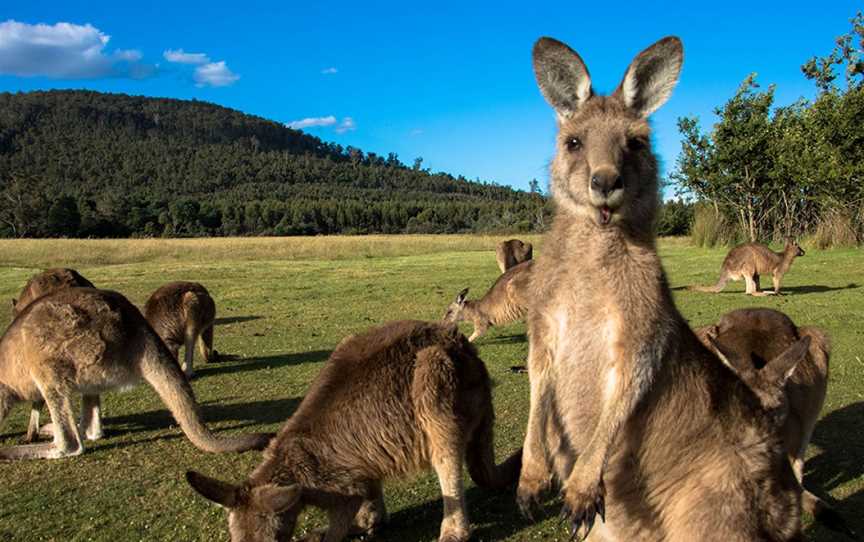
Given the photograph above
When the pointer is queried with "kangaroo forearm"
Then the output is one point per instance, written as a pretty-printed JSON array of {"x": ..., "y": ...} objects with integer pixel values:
[{"x": 625, "y": 386}]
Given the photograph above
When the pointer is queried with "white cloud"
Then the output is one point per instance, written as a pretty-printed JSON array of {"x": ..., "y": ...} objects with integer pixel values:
[
  {"x": 63, "y": 51},
  {"x": 312, "y": 122},
  {"x": 329, "y": 71},
  {"x": 346, "y": 125},
  {"x": 214, "y": 74},
  {"x": 207, "y": 74},
  {"x": 182, "y": 57}
]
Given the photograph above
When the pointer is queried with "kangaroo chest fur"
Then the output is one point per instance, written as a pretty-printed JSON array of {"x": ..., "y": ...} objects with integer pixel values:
[{"x": 600, "y": 316}]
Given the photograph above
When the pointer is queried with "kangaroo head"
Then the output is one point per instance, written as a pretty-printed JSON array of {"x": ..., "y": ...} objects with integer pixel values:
[
  {"x": 453, "y": 313},
  {"x": 793, "y": 247},
  {"x": 604, "y": 168},
  {"x": 264, "y": 513}
]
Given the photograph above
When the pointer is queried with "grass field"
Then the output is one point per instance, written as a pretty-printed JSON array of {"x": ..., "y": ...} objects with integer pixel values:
[{"x": 282, "y": 306}]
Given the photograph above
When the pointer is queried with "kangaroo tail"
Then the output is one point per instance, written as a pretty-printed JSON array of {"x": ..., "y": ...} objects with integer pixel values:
[
  {"x": 825, "y": 514},
  {"x": 480, "y": 457},
  {"x": 163, "y": 373},
  {"x": 724, "y": 278}
]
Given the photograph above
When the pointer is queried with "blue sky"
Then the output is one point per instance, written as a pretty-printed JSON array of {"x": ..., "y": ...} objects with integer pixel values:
[{"x": 451, "y": 82}]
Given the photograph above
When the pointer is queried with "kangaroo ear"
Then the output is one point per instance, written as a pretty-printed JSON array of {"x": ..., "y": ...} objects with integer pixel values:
[
  {"x": 221, "y": 493},
  {"x": 652, "y": 75},
  {"x": 462, "y": 296},
  {"x": 561, "y": 75},
  {"x": 14, "y": 302},
  {"x": 784, "y": 365},
  {"x": 276, "y": 499},
  {"x": 728, "y": 358}
]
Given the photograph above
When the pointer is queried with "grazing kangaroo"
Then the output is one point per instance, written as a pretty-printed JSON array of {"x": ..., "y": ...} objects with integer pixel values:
[
  {"x": 183, "y": 313},
  {"x": 389, "y": 402},
  {"x": 630, "y": 413},
  {"x": 747, "y": 340},
  {"x": 750, "y": 260},
  {"x": 83, "y": 340},
  {"x": 505, "y": 302},
  {"x": 46, "y": 282},
  {"x": 39, "y": 285},
  {"x": 512, "y": 252}
]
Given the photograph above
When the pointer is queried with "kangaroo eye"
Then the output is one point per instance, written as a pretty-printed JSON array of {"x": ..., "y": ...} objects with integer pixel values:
[
  {"x": 574, "y": 144},
  {"x": 636, "y": 144}
]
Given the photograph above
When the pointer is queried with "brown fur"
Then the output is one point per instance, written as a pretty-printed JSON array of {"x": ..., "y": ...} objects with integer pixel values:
[
  {"x": 512, "y": 252},
  {"x": 40, "y": 284},
  {"x": 182, "y": 313},
  {"x": 505, "y": 302},
  {"x": 749, "y": 261},
  {"x": 750, "y": 337},
  {"x": 629, "y": 412},
  {"x": 46, "y": 282},
  {"x": 88, "y": 341},
  {"x": 394, "y": 400}
]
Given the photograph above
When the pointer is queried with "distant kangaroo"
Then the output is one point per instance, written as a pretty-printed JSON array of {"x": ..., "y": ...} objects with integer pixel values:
[
  {"x": 750, "y": 260},
  {"x": 46, "y": 282},
  {"x": 748, "y": 340},
  {"x": 629, "y": 411},
  {"x": 83, "y": 340},
  {"x": 183, "y": 313},
  {"x": 505, "y": 302},
  {"x": 512, "y": 252},
  {"x": 40, "y": 284},
  {"x": 388, "y": 402}
]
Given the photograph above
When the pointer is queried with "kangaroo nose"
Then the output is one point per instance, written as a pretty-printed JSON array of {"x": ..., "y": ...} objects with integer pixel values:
[{"x": 605, "y": 182}]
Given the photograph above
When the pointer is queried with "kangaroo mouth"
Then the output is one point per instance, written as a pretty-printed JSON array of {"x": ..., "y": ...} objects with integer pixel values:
[{"x": 604, "y": 215}]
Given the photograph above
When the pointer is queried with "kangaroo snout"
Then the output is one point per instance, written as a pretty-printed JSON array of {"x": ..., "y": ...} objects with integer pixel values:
[{"x": 605, "y": 183}]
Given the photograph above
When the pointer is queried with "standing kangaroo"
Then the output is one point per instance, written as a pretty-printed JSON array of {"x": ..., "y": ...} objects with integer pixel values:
[
  {"x": 747, "y": 340},
  {"x": 750, "y": 260},
  {"x": 183, "y": 313},
  {"x": 41, "y": 284},
  {"x": 630, "y": 413},
  {"x": 512, "y": 252},
  {"x": 388, "y": 402},
  {"x": 83, "y": 340},
  {"x": 505, "y": 302}
]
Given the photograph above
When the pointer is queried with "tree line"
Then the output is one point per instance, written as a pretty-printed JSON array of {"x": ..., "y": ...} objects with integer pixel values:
[
  {"x": 88, "y": 164},
  {"x": 765, "y": 172}
]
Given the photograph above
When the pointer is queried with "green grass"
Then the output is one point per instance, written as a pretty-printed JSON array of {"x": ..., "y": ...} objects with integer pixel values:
[{"x": 282, "y": 309}]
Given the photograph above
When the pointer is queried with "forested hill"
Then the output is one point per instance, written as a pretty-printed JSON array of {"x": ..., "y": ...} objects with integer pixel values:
[{"x": 81, "y": 163}]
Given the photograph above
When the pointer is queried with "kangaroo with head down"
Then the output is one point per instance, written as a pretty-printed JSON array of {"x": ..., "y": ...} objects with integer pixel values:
[
  {"x": 388, "y": 402},
  {"x": 749, "y": 340},
  {"x": 750, "y": 260},
  {"x": 512, "y": 252},
  {"x": 41, "y": 284},
  {"x": 505, "y": 302},
  {"x": 88, "y": 341},
  {"x": 629, "y": 412},
  {"x": 183, "y": 313}
]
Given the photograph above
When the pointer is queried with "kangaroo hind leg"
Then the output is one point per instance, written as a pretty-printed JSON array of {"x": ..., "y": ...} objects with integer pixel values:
[
  {"x": 434, "y": 393},
  {"x": 67, "y": 441}
]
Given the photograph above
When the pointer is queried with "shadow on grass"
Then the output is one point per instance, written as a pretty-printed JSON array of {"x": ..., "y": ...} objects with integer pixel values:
[
  {"x": 506, "y": 339},
  {"x": 494, "y": 516},
  {"x": 811, "y": 289},
  {"x": 816, "y": 288},
  {"x": 250, "y": 413},
  {"x": 842, "y": 460},
  {"x": 235, "y": 320},
  {"x": 232, "y": 364}
]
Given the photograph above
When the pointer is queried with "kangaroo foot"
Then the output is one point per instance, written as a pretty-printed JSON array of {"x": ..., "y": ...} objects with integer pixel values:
[{"x": 581, "y": 507}]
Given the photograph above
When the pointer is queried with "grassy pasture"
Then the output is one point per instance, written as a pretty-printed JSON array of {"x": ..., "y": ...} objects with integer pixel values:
[{"x": 282, "y": 306}]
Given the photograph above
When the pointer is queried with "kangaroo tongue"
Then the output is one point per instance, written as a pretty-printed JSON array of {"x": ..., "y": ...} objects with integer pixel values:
[{"x": 605, "y": 215}]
